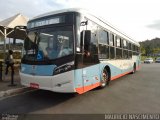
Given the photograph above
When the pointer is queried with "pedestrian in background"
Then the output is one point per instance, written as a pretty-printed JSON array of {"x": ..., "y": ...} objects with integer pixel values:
[{"x": 9, "y": 61}]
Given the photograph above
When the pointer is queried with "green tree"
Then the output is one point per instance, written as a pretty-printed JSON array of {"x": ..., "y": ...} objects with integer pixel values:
[
  {"x": 148, "y": 50},
  {"x": 143, "y": 50}
]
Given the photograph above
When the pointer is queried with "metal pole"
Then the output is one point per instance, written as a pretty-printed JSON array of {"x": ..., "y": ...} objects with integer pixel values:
[
  {"x": 12, "y": 66},
  {"x": 9, "y": 44},
  {"x": 1, "y": 68},
  {"x": 4, "y": 50}
]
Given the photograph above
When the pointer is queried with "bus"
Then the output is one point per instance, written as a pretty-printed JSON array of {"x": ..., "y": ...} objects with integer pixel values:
[{"x": 71, "y": 50}]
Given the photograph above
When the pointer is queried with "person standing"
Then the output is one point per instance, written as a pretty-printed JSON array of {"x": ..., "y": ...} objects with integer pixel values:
[{"x": 9, "y": 62}]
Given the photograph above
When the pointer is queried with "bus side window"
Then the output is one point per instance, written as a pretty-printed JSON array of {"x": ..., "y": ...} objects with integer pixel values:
[
  {"x": 103, "y": 44},
  {"x": 118, "y": 49},
  {"x": 112, "y": 48}
]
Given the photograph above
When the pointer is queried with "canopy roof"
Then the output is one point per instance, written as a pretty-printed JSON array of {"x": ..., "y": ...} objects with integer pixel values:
[
  {"x": 9, "y": 24},
  {"x": 14, "y": 21}
]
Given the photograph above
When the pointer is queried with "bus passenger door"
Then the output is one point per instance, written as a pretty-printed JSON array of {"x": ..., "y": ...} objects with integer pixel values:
[{"x": 90, "y": 70}]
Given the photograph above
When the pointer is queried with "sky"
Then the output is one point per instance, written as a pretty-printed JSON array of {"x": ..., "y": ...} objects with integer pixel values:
[{"x": 139, "y": 19}]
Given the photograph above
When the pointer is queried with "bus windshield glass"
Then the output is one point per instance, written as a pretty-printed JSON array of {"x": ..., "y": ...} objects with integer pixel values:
[{"x": 49, "y": 44}]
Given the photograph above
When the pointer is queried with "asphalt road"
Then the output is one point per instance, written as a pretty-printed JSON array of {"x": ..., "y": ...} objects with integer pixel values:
[{"x": 133, "y": 93}]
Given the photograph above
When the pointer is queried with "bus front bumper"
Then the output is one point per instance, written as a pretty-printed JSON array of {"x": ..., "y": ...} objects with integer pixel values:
[{"x": 59, "y": 83}]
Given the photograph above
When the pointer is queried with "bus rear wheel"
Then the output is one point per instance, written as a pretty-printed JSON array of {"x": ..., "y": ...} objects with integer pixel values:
[
  {"x": 134, "y": 69},
  {"x": 105, "y": 79}
]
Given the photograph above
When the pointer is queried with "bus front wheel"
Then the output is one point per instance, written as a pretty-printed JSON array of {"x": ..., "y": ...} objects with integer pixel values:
[{"x": 105, "y": 79}]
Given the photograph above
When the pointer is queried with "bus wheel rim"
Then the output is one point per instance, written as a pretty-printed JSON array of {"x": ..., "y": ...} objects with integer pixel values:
[{"x": 104, "y": 79}]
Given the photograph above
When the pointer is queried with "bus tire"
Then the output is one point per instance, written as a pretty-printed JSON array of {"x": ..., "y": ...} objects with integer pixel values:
[
  {"x": 105, "y": 79},
  {"x": 134, "y": 69}
]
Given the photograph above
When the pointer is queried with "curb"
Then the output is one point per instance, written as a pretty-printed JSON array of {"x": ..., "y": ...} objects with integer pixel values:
[{"x": 14, "y": 91}]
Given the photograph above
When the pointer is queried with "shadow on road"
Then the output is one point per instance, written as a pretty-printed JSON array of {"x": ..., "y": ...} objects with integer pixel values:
[{"x": 33, "y": 101}]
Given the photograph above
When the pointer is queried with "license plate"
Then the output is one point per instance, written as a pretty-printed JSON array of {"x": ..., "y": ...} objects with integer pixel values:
[{"x": 34, "y": 85}]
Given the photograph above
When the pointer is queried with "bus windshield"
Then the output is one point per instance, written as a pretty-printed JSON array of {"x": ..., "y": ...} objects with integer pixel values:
[{"x": 48, "y": 44}]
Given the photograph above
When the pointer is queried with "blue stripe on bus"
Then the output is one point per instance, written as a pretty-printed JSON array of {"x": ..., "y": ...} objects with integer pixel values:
[{"x": 42, "y": 70}]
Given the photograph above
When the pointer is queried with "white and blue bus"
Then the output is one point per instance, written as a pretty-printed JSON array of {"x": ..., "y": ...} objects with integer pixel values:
[{"x": 72, "y": 50}]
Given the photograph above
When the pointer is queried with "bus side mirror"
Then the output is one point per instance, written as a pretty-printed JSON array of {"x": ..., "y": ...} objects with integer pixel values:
[
  {"x": 32, "y": 36},
  {"x": 87, "y": 38},
  {"x": 86, "y": 35}
]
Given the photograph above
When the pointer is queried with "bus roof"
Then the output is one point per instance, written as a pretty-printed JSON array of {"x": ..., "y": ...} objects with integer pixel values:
[{"x": 83, "y": 11}]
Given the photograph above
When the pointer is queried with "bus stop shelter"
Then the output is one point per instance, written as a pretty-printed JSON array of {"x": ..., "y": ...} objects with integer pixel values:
[{"x": 7, "y": 29}]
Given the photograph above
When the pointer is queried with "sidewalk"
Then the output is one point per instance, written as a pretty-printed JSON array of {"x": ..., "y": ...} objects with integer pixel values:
[{"x": 6, "y": 90}]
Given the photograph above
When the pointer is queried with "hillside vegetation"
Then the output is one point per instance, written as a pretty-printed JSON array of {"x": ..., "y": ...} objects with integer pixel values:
[{"x": 150, "y": 47}]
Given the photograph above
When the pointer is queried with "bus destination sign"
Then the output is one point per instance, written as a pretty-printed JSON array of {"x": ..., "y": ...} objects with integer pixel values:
[{"x": 43, "y": 22}]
